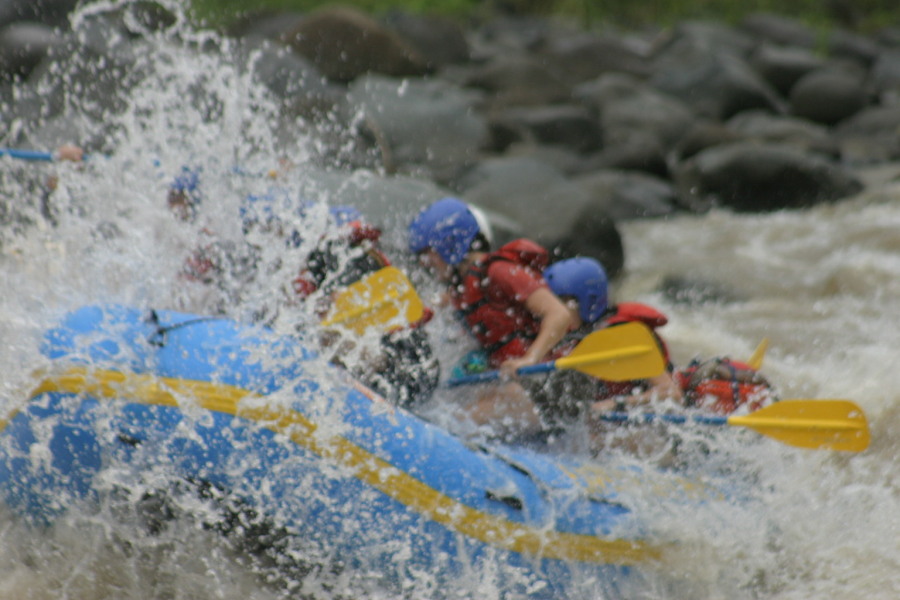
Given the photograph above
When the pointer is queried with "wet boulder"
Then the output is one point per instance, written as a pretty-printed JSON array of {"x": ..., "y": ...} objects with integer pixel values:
[
  {"x": 715, "y": 83},
  {"x": 702, "y": 134},
  {"x": 264, "y": 24},
  {"x": 23, "y": 45},
  {"x": 630, "y": 108},
  {"x": 783, "y": 66},
  {"x": 547, "y": 206},
  {"x": 102, "y": 62},
  {"x": 884, "y": 76},
  {"x": 829, "y": 95},
  {"x": 388, "y": 202},
  {"x": 628, "y": 195},
  {"x": 568, "y": 125},
  {"x": 514, "y": 80},
  {"x": 345, "y": 43},
  {"x": 870, "y": 136},
  {"x": 537, "y": 195},
  {"x": 754, "y": 177},
  {"x": 293, "y": 79},
  {"x": 596, "y": 235},
  {"x": 427, "y": 123},
  {"x": 54, "y": 13},
  {"x": 778, "y": 29},
  {"x": 439, "y": 40},
  {"x": 586, "y": 56},
  {"x": 843, "y": 44},
  {"x": 785, "y": 130}
]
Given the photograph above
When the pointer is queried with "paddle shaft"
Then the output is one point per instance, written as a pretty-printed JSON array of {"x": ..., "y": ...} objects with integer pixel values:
[
  {"x": 544, "y": 367},
  {"x": 34, "y": 155}
]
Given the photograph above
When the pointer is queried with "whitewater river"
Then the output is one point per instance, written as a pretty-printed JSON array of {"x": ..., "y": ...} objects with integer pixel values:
[{"x": 822, "y": 285}]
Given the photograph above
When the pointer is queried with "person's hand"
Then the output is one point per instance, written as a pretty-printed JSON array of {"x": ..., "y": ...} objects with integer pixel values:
[
  {"x": 604, "y": 406},
  {"x": 509, "y": 367},
  {"x": 70, "y": 152}
]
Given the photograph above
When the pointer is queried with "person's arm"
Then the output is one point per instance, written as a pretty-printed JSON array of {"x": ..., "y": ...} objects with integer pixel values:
[
  {"x": 555, "y": 319},
  {"x": 662, "y": 387}
]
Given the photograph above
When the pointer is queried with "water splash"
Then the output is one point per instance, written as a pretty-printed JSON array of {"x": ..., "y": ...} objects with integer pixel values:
[{"x": 821, "y": 284}]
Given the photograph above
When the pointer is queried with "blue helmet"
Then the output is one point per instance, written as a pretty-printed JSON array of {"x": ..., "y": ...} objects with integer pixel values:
[
  {"x": 585, "y": 280},
  {"x": 344, "y": 215},
  {"x": 188, "y": 182},
  {"x": 264, "y": 210},
  {"x": 448, "y": 227}
]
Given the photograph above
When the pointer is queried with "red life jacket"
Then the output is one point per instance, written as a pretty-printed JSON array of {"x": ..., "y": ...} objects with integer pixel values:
[
  {"x": 722, "y": 385},
  {"x": 503, "y": 329}
]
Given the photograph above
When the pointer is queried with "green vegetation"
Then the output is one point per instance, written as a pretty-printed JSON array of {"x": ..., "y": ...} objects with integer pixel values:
[{"x": 859, "y": 14}]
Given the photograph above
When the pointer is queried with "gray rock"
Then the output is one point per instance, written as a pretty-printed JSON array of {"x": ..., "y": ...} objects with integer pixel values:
[
  {"x": 641, "y": 150},
  {"x": 23, "y": 45},
  {"x": 389, "y": 202},
  {"x": 439, "y": 40},
  {"x": 625, "y": 195},
  {"x": 853, "y": 46},
  {"x": 703, "y": 134},
  {"x": 266, "y": 25},
  {"x": 596, "y": 235},
  {"x": 564, "y": 159},
  {"x": 515, "y": 80},
  {"x": 870, "y": 136},
  {"x": 884, "y": 76},
  {"x": 751, "y": 177},
  {"x": 665, "y": 118},
  {"x": 828, "y": 95},
  {"x": 794, "y": 132},
  {"x": 783, "y": 67},
  {"x": 345, "y": 43},
  {"x": 636, "y": 120},
  {"x": 709, "y": 37},
  {"x": 53, "y": 13},
  {"x": 587, "y": 56},
  {"x": 420, "y": 122},
  {"x": 566, "y": 125},
  {"x": 538, "y": 196},
  {"x": 292, "y": 78},
  {"x": 779, "y": 30},
  {"x": 99, "y": 61},
  {"x": 715, "y": 84}
]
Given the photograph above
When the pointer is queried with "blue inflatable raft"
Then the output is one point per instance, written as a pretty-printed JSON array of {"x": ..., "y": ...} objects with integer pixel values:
[{"x": 209, "y": 404}]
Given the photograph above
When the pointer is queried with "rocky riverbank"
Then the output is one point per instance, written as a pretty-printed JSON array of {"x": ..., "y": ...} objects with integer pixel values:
[{"x": 559, "y": 133}]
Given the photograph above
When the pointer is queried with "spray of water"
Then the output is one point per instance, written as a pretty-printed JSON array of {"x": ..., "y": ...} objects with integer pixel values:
[{"x": 822, "y": 285}]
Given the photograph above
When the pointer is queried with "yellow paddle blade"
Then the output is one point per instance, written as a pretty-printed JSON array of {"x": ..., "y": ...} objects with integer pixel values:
[
  {"x": 384, "y": 299},
  {"x": 617, "y": 353},
  {"x": 759, "y": 354},
  {"x": 830, "y": 424}
]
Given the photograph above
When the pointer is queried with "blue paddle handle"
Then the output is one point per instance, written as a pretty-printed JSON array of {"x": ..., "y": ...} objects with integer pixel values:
[
  {"x": 27, "y": 154},
  {"x": 494, "y": 375},
  {"x": 544, "y": 367},
  {"x": 619, "y": 417},
  {"x": 476, "y": 378}
]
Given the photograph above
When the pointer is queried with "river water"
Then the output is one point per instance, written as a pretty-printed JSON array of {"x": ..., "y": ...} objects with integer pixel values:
[{"x": 823, "y": 285}]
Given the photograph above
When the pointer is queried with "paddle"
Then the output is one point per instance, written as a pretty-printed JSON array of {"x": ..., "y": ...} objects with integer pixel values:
[
  {"x": 829, "y": 424},
  {"x": 619, "y": 353},
  {"x": 35, "y": 155},
  {"x": 756, "y": 360},
  {"x": 381, "y": 299}
]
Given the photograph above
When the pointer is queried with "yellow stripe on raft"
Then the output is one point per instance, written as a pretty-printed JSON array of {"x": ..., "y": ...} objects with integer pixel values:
[{"x": 367, "y": 467}]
